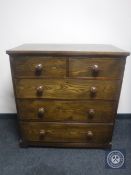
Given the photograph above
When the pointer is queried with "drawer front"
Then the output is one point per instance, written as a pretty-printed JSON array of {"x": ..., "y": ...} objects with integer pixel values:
[
  {"x": 67, "y": 89},
  {"x": 60, "y": 132},
  {"x": 66, "y": 111},
  {"x": 96, "y": 67},
  {"x": 45, "y": 66}
]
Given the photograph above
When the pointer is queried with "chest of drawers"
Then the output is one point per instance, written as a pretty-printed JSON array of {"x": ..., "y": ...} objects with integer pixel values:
[{"x": 67, "y": 95}]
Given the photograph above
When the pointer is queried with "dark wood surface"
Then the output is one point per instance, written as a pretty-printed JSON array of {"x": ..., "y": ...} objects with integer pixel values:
[
  {"x": 66, "y": 132},
  {"x": 107, "y": 67},
  {"x": 67, "y": 88},
  {"x": 66, "y": 111},
  {"x": 56, "y": 67},
  {"x": 51, "y": 67},
  {"x": 80, "y": 145},
  {"x": 67, "y": 95},
  {"x": 68, "y": 49}
]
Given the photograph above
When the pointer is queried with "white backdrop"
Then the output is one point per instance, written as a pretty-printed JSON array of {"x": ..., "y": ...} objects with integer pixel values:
[{"x": 63, "y": 21}]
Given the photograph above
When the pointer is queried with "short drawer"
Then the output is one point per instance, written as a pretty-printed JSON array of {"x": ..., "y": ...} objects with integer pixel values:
[
  {"x": 66, "y": 132},
  {"x": 67, "y": 89},
  {"x": 96, "y": 67},
  {"x": 36, "y": 66},
  {"x": 66, "y": 111}
]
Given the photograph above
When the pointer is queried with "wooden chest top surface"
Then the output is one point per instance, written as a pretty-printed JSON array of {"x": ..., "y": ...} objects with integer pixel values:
[{"x": 69, "y": 49}]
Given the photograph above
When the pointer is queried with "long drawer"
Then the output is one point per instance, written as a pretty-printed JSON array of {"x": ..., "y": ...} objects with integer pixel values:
[
  {"x": 67, "y": 89},
  {"x": 66, "y": 111},
  {"x": 66, "y": 132}
]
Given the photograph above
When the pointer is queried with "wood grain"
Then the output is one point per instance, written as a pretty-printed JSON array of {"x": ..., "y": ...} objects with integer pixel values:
[
  {"x": 109, "y": 68},
  {"x": 66, "y": 111},
  {"x": 62, "y": 132},
  {"x": 67, "y": 89},
  {"x": 60, "y": 101},
  {"x": 24, "y": 66}
]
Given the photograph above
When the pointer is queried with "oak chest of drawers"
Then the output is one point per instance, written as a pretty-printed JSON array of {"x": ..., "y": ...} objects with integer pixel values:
[{"x": 67, "y": 95}]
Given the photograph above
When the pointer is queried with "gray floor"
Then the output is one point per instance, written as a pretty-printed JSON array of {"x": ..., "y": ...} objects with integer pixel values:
[{"x": 50, "y": 161}]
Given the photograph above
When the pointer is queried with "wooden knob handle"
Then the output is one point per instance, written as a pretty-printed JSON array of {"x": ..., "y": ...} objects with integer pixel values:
[
  {"x": 89, "y": 134},
  {"x": 91, "y": 112},
  {"x": 41, "y": 112},
  {"x": 38, "y": 69},
  {"x": 95, "y": 68},
  {"x": 39, "y": 90},
  {"x": 93, "y": 90},
  {"x": 42, "y": 133}
]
